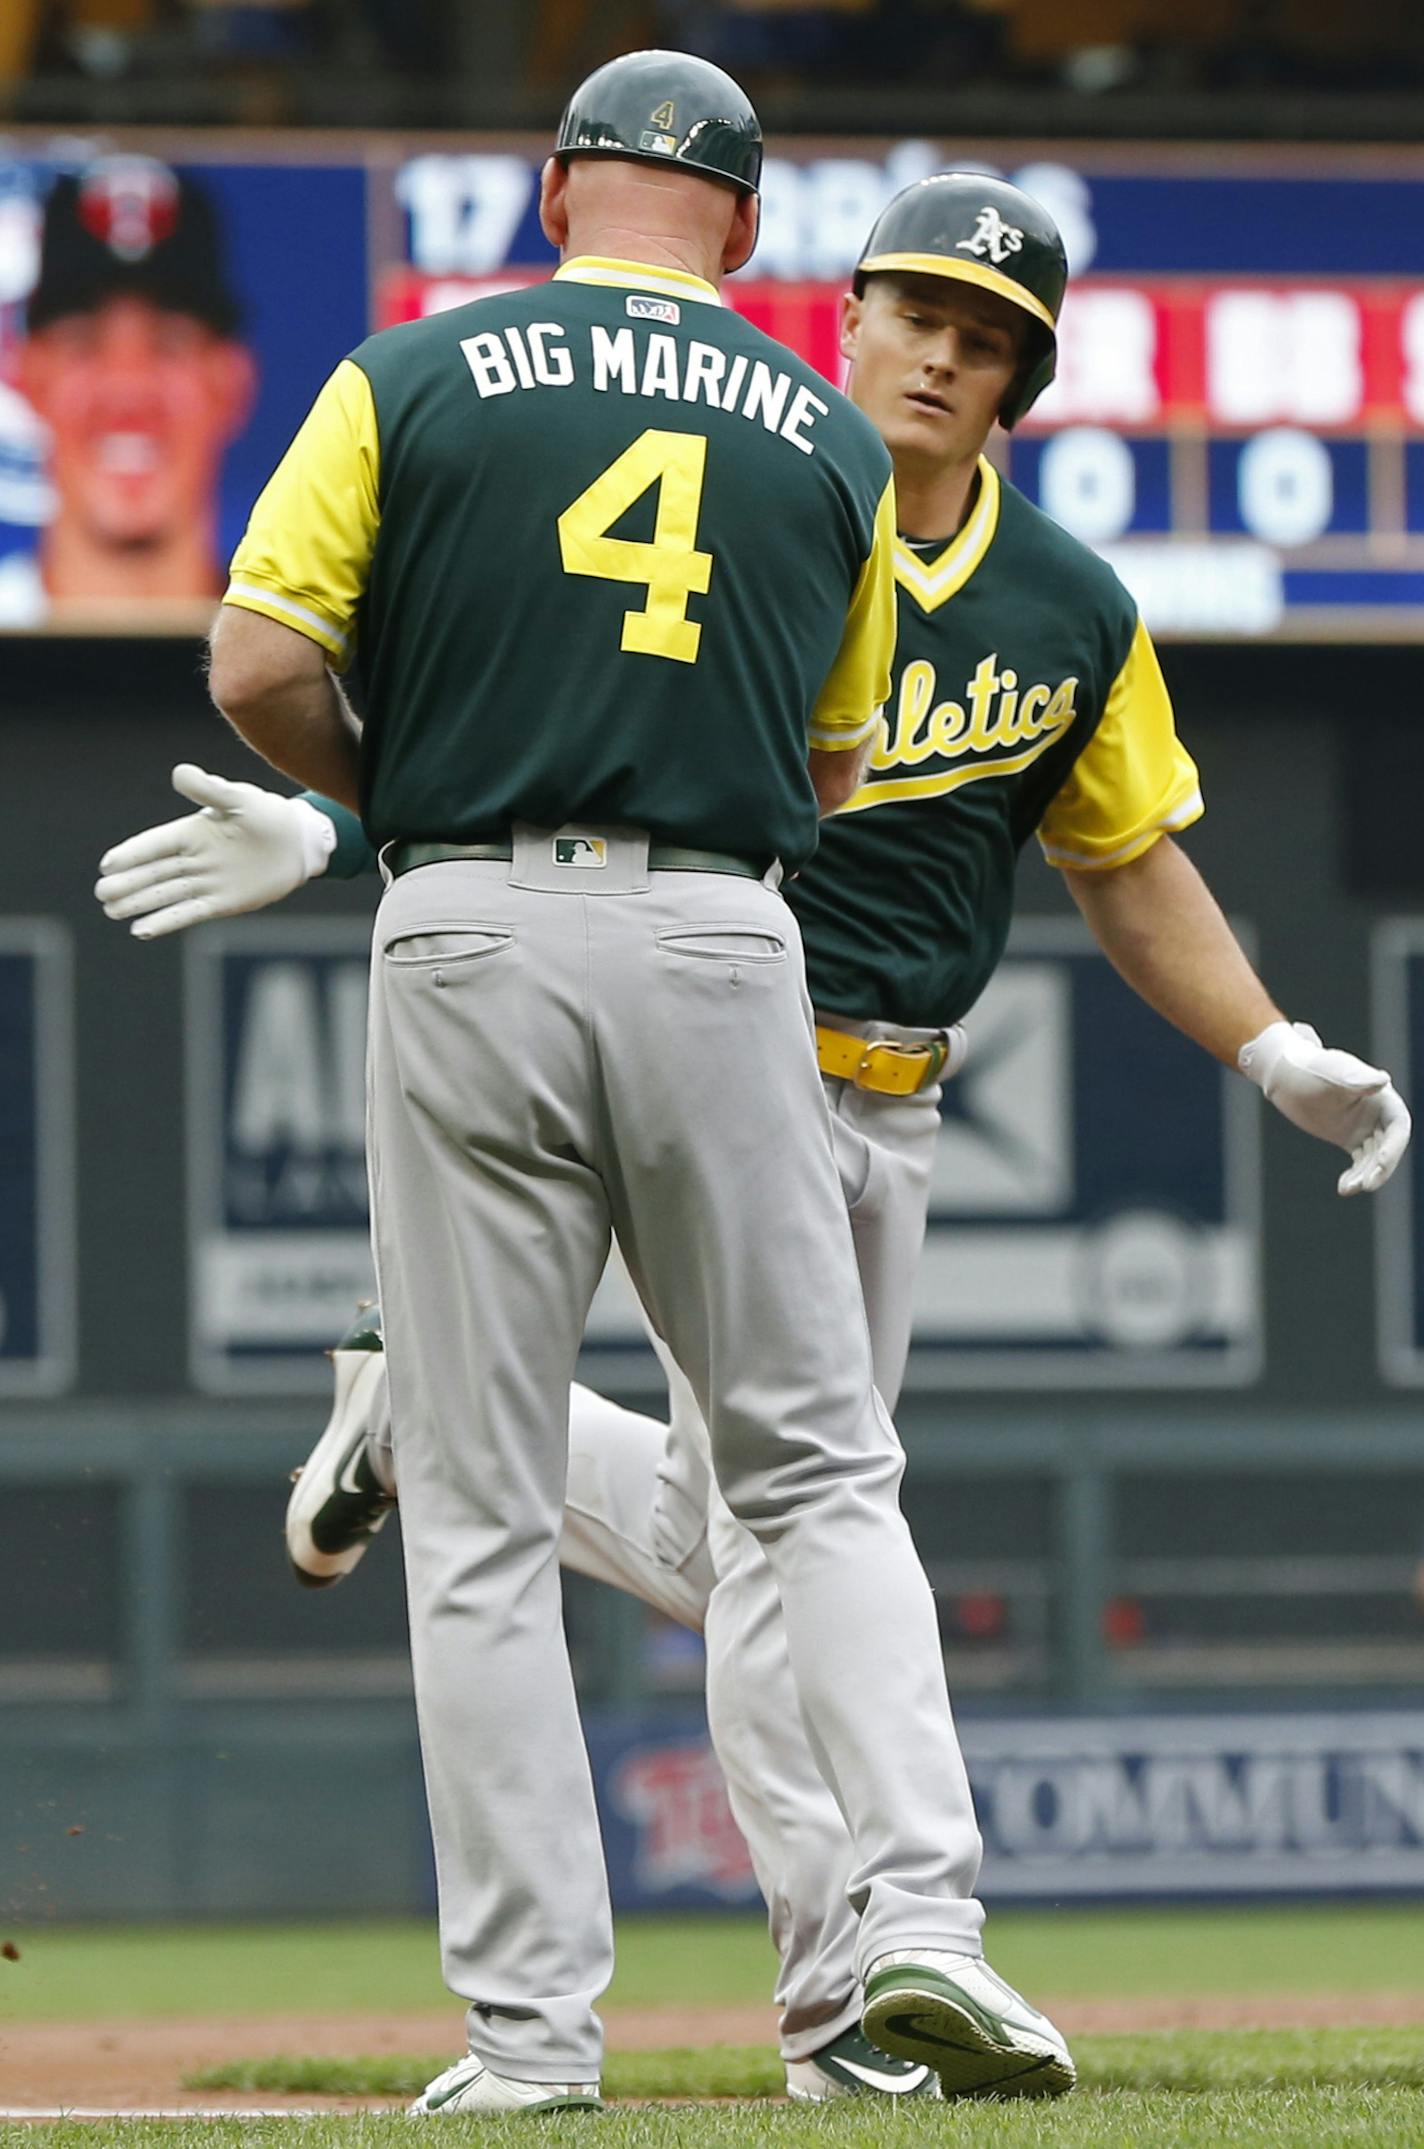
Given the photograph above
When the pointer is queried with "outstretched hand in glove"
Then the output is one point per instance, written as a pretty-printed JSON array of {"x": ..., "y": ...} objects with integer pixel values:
[
  {"x": 244, "y": 849},
  {"x": 1334, "y": 1096}
]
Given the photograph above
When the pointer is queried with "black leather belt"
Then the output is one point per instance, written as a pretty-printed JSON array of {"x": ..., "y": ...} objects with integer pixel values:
[{"x": 662, "y": 858}]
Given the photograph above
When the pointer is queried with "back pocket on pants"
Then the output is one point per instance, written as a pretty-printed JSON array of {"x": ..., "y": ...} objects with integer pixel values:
[
  {"x": 723, "y": 943},
  {"x": 451, "y": 948}
]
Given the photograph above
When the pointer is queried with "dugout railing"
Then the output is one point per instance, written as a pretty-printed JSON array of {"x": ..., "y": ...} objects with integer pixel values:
[
  {"x": 154, "y": 1518},
  {"x": 182, "y": 1731}
]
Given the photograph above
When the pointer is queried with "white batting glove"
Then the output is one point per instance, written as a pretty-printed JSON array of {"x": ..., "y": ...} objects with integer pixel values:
[
  {"x": 1334, "y": 1096},
  {"x": 245, "y": 849}
]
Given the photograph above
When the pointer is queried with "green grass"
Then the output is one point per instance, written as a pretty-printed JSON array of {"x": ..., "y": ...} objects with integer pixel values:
[
  {"x": 392, "y": 1966},
  {"x": 1119, "y": 2119},
  {"x": 101, "y": 1973},
  {"x": 1180, "y": 2090},
  {"x": 1197, "y": 2061},
  {"x": 1087, "y": 1954},
  {"x": 710, "y": 2071}
]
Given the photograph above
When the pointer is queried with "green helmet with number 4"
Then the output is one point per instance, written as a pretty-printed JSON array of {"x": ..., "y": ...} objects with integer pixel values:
[
  {"x": 666, "y": 108},
  {"x": 978, "y": 230}
]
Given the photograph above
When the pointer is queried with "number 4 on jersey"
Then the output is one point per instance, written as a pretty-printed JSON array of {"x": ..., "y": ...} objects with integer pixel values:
[{"x": 671, "y": 568}]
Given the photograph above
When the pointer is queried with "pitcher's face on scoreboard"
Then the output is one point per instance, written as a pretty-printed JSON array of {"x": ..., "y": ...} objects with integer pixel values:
[
  {"x": 140, "y": 402},
  {"x": 134, "y": 362}
]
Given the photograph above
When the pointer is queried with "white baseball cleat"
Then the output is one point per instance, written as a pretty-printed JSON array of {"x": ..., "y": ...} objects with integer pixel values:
[
  {"x": 471, "y": 2086},
  {"x": 338, "y": 1503},
  {"x": 955, "y": 2014},
  {"x": 851, "y": 2066}
]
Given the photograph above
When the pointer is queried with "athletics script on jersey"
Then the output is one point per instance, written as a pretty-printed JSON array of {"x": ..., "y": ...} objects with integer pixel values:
[
  {"x": 1000, "y": 724},
  {"x": 540, "y": 355}
]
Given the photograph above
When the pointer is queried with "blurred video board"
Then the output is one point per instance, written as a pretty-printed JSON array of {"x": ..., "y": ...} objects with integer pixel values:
[{"x": 1238, "y": 421}]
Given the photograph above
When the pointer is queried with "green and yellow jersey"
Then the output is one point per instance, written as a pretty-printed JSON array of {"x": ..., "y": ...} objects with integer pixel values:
[
  {"x": 608, "y": 554},
  {"x": 1027, "y": 698}
]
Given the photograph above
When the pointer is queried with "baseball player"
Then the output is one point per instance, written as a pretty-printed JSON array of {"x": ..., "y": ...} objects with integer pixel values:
[
  {"x": 133, "y": 358},
  {"x": 607, "y": 694},
  {"x": 1032, "y": 700}
]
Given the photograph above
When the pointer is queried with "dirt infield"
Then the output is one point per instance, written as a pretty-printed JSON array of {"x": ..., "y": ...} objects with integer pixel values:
[{"x": 124, "y": 2066}]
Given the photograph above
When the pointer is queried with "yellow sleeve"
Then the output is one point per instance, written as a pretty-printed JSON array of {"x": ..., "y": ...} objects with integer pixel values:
[
  {"x": 848, "y": 707},
  {"x": 306, "y": 553},
  {"x": 1133, "y": 782}
]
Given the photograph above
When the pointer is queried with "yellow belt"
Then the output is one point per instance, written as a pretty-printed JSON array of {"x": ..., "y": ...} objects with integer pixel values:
[{"x": 880, "y": 1063}]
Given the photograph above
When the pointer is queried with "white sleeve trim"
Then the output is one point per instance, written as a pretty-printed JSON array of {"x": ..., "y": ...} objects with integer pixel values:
[
  {"x": 1178, "y": 816},
  {"x": 831, "y": 740},
  {"x": 258, "y": 595}
]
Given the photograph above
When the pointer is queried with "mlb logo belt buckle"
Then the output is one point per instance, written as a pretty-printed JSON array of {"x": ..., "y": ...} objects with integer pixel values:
[
  {"x": 883, "y": 1064},
  {"x": 590, "y": 853}
]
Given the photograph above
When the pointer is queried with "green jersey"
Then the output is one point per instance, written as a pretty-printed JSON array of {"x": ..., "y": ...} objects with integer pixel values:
[
  {"x": 609, "y": 553},
  {"x": 1026, "y": 698}
]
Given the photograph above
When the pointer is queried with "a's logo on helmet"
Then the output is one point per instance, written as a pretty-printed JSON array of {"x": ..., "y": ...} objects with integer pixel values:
[
  {"x": 992, "y": 236},
  {"x": 129, "y": 204}
]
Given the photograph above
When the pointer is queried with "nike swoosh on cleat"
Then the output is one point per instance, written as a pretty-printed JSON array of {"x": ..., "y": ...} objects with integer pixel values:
[
  {"x": 347, "y": 1481},
  {"x": 453, "y": 2089},
  {"x": 896, "y": 2085}
]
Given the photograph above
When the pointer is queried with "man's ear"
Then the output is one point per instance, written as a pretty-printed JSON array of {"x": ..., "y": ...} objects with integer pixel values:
[
  {"x": 233, "y": 373},
  {"x": 852, "y": 309},
  {"x": 743, "y": 235},
  {"x": 553, "y": 203}
]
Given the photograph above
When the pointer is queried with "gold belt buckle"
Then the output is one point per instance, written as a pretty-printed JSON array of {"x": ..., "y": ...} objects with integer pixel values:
[{"x": 925, "y": 1061}]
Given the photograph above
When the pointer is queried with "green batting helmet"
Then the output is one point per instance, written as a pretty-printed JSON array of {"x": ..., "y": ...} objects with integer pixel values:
[
  {"x": 980, "y": 231},
  {"x": 666, "y": 108}
]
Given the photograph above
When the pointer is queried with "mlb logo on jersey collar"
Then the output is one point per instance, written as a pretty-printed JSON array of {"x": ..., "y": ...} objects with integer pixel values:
[{"x": 641, "y": 308}]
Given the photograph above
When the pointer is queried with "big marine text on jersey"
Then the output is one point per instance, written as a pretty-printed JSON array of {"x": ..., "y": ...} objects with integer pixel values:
[{"x": 541, "y": 356}]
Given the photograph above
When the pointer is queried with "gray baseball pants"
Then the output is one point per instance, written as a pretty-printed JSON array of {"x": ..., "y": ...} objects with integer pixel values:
[
  {"x": 555, "y": 1053},
  {"x": 636, "y": 1525}
]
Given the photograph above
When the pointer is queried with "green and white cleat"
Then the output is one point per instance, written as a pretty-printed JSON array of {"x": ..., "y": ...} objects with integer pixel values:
[
  {"x": 338, "y": 1503},
  {"x": 471, "y": 2086},
  {"x": 956, "y": 2015},
  {"x": 851, "y": 2066}
]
